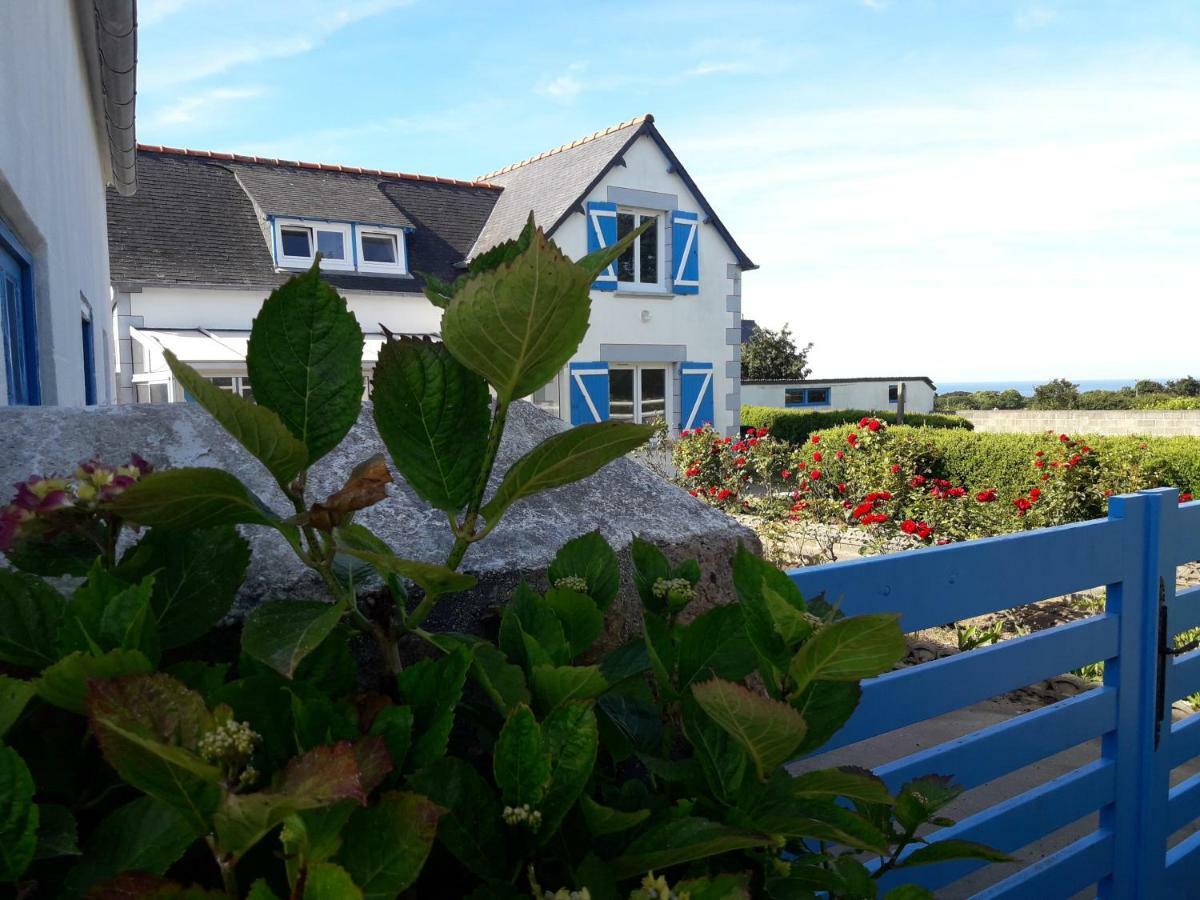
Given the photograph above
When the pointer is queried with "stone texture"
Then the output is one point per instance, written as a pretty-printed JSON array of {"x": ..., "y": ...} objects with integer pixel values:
[
  {"x": 1153, "y": 422},
  {"x": 621, "y": 499}
]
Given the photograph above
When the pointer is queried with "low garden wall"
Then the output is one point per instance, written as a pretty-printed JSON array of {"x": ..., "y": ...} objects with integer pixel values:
[{"x": 1155, "y": 422}]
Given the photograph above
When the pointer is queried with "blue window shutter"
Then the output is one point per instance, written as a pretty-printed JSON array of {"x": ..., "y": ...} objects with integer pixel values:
[
  {"x": 601, "y": 233},
  {"x": 589, "y": 392},
  {"x": 696, "y": 394},
  {"x": 685, "y": 250}
]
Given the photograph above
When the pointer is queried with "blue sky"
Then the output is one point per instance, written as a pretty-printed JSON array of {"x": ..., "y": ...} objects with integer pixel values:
[{"x": 969, "y": 189}]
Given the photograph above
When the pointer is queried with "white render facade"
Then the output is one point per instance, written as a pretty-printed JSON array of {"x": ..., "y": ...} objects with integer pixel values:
[
  {"x": 665, "y": 345},
  {"x": 60, "y": 146},
  {"x": 870, "y": 394}
]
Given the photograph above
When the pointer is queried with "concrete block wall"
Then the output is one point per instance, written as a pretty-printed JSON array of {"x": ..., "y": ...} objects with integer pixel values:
[{"x": 1156, "y": 422}]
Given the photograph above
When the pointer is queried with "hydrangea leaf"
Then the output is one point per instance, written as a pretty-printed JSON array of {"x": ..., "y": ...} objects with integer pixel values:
[
  {"x": 385, "y": 845},
  {"x": 767, "y": 729},
  {"x": 433, "y": 414},
  {"x": 304, "y": 359},
  {"x": 255, "y": 427},
  {"x": 57, "y": 832},
  {"x": 433, "y": 688},
  {"x": 520, "y": 762},
  {"x": 281, "y": 633},
  {"x": 848, "y": 650},
  {"x": 825, "y": 707},
  {"x": 14, "y": 695},
  {"x": 591, "y": 558},
  {"x": 30, "y": 614},
  {"x": 571, "y": 737},
  {"x": 715, "y": 643},
  {"x": 721, "y": 757},
  {"x": 65, "y": 684},
  {"x": 191, "y": 498},
  {"x": 682, "y": 840},
  {"x": 555, "y": 686},
  {"x": 565, "y": 458},
  {"x": 602, "y": 820},
  {"x": 430, "y": 577},
  {"x": 581, "y": 619},
  {"x": 519, "y": 323},
  {"x": 327, "y": 881},
  {"x": 472, "y": 829},
  {"x": 18, "y": 816}
]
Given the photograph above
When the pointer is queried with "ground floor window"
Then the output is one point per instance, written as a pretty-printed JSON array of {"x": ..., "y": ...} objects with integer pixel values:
[
  {"x": 637, "y": 393},
  {"x": 813, "y": 396},
  {"x": 18, "y": 325},
  {"x": 235, "y": 384}
]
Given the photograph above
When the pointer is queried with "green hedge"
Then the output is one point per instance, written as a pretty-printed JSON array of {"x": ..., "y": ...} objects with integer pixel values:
[{"x": 795, "y": 426}]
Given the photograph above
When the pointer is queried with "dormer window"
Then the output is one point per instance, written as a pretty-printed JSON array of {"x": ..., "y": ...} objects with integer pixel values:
[{"x": 344, "y": 246}]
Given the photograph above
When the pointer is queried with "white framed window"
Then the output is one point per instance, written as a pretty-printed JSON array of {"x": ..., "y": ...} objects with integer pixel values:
[
  {"x": 381, "y": 250},
  {"x": 297, "y": 241},
  {"x": 234, "y": 384},
  {"x": 641, "y": 266},
  {"x": 638, "y": 392}
]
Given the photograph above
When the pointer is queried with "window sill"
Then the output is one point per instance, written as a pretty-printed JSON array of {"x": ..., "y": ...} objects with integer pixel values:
[{"x": 642, "y": 292}]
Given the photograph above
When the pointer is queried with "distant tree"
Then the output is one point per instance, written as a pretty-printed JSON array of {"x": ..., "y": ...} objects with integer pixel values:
[
  {"x": 1011, "y": 399},
  {"x": 952, "y": 400},
  {"x": 1057, "y": 394},
  {"x": 1184, "y": 387},
  {"x": 1146, "y": 386},
  {"x": 1105, "y": 400},
  {"x": 774, "y": 355}
]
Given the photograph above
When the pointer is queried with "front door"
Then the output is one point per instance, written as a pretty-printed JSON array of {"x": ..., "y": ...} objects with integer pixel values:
[
  {"x": 18, "y": 331},
  {"x": 637, "y": 392}
]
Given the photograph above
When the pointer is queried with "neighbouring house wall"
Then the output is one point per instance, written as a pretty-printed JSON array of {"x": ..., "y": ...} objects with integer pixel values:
[
  {"x": 1161, "y": 422},
  {"x": 706, "y": 326},
  {"x": 868, "y": 395},
  {"x": 53, "y": 168},
  {"x": 162, "y": 307}
]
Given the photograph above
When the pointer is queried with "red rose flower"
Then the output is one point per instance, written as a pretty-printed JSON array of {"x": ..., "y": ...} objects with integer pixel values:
[
  {"x": 956, "y": 491},
  {"x": 841, "y": 487},
  {"x": 785, "y": 474},
  {"x": 1039, "y": 463},
  {"x": 852, "y": 439},
  {"x": 987, "y": 496},
  {"x": 817, "y": 456},
  {"x": 1022, "y": 505},
  {"x": 724, "y": 494},
  {"x": 862, "y": 423},
  {"x": 917, "y": 481},
  {"x": 815, "y": 474},
  {"x": 816, "y": 439},
  {"x": 839, "y": 454},
  {"x": 1185, "y": 497},
  {"x": 908, "y": 526},
  {"x": 874, "y": 425},
  {"x": 762, "y": 432},
  {"x": 895, "y": 468},
  {"x": 1063, "y": 438}
]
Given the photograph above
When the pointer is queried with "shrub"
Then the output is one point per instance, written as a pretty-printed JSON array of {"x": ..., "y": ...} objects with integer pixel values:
[
  {"x": 475, "y": 767},
  {"x": 795, "y": 426}
]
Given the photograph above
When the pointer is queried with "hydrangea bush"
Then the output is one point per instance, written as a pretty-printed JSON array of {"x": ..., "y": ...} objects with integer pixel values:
[{"x": 138, "y": 761}]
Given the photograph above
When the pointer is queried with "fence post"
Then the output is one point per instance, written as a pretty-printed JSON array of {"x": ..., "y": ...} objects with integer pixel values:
[{"x": 1138, "y": 857}]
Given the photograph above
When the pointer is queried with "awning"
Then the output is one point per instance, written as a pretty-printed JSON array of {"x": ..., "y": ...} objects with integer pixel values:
[{"x": 218, "y": 350}]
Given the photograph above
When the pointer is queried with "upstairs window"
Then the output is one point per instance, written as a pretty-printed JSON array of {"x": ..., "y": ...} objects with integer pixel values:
[
  {"x": 638, "y": 266},
  {"x": 381, "y": 250},
  {"x": 297, "y": 242}
]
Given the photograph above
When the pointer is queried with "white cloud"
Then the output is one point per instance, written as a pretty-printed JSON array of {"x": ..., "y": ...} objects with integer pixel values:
[
  {"x": 877, "y": 5},
  {"x": 1036, "y": 16},
  {"x": 564, "y": 88},
  {"x": 203, "y": 106},
  {"x": 151, "y": 12},
  {"x": 1012, "y": 231}
]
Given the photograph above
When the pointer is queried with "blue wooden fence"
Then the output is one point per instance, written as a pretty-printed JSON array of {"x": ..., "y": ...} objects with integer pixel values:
[{"x": 1134, "y": 554}]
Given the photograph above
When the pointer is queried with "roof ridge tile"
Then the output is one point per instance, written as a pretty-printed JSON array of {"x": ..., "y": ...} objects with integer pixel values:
[
  {"x": 571, "y": 145},
  {"x": 323, "y": 167}
]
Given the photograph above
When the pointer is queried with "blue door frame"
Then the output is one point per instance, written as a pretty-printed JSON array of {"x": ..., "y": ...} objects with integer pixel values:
[
  {"x": 18, "y": 322},
  {"x": 1134, "y": 554}
]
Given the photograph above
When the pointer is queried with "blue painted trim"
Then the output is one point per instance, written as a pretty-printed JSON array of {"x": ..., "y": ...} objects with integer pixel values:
[
  {"x": 1062, "y": 874},
  {"x": 88, "y": 330},
  {"x": 594, "y": 376},
  {"x": 806, "y": 403},
  {"x": 29, "y": 339}
]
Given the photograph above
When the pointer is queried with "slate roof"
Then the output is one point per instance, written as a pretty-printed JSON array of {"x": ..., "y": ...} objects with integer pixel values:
[
  {"x": 198, "y": 218},
  {"x": 821, "y": 381}
]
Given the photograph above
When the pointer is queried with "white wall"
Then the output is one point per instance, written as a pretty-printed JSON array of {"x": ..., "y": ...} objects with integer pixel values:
[
  {"x": 700, "y": 321},
  {"x": 867, "y": 395},
  {"x": 53, "y": 168}
]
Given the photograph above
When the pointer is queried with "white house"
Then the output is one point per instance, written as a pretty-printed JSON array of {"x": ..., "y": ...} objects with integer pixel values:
[
  {"x": 67, "y": 71},
  {"x": 870, "y": 394},
  {"x": 209, "y": 234}
]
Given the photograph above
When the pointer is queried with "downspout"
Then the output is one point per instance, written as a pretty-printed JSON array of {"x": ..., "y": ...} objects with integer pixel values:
[{"x": 116, "y": 43}]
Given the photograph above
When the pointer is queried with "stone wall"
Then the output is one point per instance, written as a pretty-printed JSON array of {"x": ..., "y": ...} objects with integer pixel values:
[{"x": 1158, "y": 422}]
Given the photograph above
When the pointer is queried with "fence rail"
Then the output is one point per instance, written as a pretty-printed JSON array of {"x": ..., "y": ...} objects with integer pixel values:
[{"x": 1133, "y": 555}]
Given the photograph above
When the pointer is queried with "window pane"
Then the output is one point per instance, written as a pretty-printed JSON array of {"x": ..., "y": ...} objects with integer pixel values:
[
  {"x": 654, "y": 394},
  {"x": 295, "y": 242},
  {"x": 332, "y": 244},
  {"x": 649, "y": 252},
  {"x": 893, "y": 393},
  {"x": 793, "y": 396},
  {"x": 625, "y": 260},
  {"x": 379, "y": 248},
  {"x": 224, "y": 382},
  {"x": 620, "y": 394},
  {"x": 818, "y": 395}
]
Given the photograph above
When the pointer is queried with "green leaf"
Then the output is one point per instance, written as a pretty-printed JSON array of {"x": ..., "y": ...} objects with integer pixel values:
[
  {"x": 602, "y": 820},
  {"x": 719, "y": 754},
  {"x": 767, "y": 729},
  {"x": 660, "y": 647},
  {"x": 555, "y": 685},
  {"x": 850, "y": 782},
  {"x": 304, "y": 359},
  {"x": 433, "y": 414},
  {"x": 261, "y": 891},
  {"x": 107, "y": 613},
  {"x": 432, "y": 578},
  {"x": 281, "y": 633},
  {"x": 633, "y": 716},
  {"x": 521, "y": 764},
  {"x": 196, "y": 577},
  {"x": 189, "y": 498},
  {"x": 825, "y": 706},
  {"x": 941, "y": 851},
  {"x": 598, "y": 260},
  {"x": 145, "y": 835},
  {"x": 626, "y": 662},
  {"x": 57, "y": 833},
  {"x": 531, "y": 632},
  {"x": 14, "y": 695},
  {"x": 565, "y": 458},
  {"x": 849, "y": 649},
  {"x": 148, "y": 727},
  {"x": 385, "y": 845},
  {"x": 504, "y": 252},
  {"x": 582, "y": 622},
  {"x": 327, "y": 881},
  {"x": 395, "y": 725},
  {"x": 66, "y": 553},
  {"x": 760, "y": 588},
  {"x": 649, "y": 565},
  {"x": 909, "y": 892},
  {"x": 65, "y": 684},
  {"x": 571, "y": 737},
  {"x": 30, "y": 613},
  {"x": 518, "y": 324},
  {"x": 715, "y": 643},
  {"x": 433, "y": 688},
  {"x": 255, "y": 427},
  {"x": 716, "y": 887},
  {"x": 472, "y": 829},
  {"x": 791, "y": 624},
  {"x": 500, "y": 679},
  {"x": 591, "y": 558},
  {"x": 682, "y": 840},
  {"x": 18, "y": 816},
  {"x": 921, "y": 798}
]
